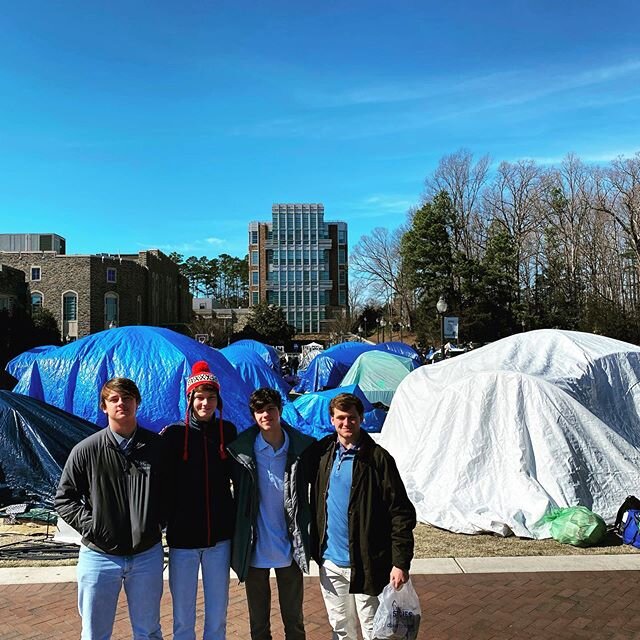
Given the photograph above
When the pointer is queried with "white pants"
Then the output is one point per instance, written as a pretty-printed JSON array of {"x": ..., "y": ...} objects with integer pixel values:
[{"x": 344, "y": 608}]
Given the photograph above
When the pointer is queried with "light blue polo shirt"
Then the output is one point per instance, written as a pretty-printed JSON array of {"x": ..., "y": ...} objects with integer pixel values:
[
  {"x": 273, "y": 546},
  {"x": 336, "y": 543}
]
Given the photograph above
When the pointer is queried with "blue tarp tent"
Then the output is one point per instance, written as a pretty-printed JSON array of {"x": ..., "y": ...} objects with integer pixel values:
[
  {"x": 35, "y": 441},
  {"x": 18, "y": 365},
  {"x": 254, "y": 370},
  {"x": 157, "y": 360},
  {"x": 313, "y": 408},
  {"x": 327, "y": 369},
  {"x": 401, "y": 349},
  {"x": 268, "y": 353}
]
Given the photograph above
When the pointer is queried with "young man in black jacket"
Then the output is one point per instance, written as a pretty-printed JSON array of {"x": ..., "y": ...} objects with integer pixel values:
[
  {"x": 110, "y": 492},
  {"x": 362, "y": 536},
  {"x": 200, "y": 508}
]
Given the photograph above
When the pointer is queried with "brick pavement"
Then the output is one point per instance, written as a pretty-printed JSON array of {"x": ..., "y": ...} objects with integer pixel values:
[{"x": 573, "y": 605}]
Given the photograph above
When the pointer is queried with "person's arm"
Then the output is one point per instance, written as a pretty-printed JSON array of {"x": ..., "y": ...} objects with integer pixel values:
[
  {"x": 72, "y": 497},
  {"x": 403, "y": 521}
]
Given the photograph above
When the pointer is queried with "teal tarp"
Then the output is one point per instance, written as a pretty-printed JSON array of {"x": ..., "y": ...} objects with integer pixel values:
[{"x": 378, "y": 374}]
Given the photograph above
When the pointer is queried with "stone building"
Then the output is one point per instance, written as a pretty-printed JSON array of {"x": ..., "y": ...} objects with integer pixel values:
[
  {"x": 13, "y": 288},
  {"x": 89, "y": 293}
]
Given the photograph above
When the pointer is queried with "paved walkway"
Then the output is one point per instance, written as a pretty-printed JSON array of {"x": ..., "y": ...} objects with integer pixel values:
[{"x": 555, "y": 602}]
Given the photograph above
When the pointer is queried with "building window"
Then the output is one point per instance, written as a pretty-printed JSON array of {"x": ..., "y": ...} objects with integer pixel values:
[
  {"x": 69, "y": 306},
  {"x": 254, "y": 298},
  {"x": 342, "y": 256},
  {"x": 36, "y": 274},
  {"x": 342, "y": 276},
  {"x": 111, "y": 309},
  {"x": 254, "y": 237},
  {"x": 342, "y": 297},
  {"x": 254, "y": 258},
  {"x": 111, "y": 275},
  {"x": 36, "y": 301},
  {"x": 255, "y": 278},
  {"x": 6, "y": 303}
]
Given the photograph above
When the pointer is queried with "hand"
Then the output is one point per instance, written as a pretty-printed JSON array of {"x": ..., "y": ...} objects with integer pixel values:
[{"x": 398, "y": 577}]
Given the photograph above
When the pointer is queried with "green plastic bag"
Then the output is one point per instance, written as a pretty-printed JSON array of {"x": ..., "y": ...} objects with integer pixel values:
[{"x": 576, "y": 525}]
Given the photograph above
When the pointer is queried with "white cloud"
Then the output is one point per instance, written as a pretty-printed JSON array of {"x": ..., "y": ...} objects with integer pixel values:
[
  {"x": 197, "y": 247},
  {"x": 377, "y": 206}
]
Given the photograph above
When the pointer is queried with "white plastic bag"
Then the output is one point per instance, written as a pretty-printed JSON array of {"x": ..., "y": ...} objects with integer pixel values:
[{"x": 398, "y": 615}]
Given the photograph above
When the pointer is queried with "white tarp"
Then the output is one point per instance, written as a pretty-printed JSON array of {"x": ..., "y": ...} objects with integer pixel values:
[{"x": 491, "y": 440}]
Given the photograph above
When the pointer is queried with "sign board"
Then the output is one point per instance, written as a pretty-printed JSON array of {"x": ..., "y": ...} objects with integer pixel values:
[
  {"x": 450, "y": 328},
  {"x": 201, "y": 338}
]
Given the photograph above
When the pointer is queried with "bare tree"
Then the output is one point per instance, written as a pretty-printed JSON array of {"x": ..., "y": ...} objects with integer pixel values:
[
  {"x": 376, "y": 260},
  {"x": 463, "y": 180},
  {"x": 618, "y": 195},
  {"x": 514, "y": 200},
  {"x": 567, "y": 199}
]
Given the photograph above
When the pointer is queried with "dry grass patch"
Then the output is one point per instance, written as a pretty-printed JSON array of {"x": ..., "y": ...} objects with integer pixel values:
[{"x": 432, "y": 542}]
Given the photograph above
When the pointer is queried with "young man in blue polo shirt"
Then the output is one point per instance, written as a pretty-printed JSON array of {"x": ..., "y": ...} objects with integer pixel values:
[
  {"x": 272, "y": 520},
  {"x": 362, "y": 534}
]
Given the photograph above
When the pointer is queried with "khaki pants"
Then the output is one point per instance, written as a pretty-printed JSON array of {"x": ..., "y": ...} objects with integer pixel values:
[
  {"x": 290, "y": 596},
  {"x": 344, "y": 609}
]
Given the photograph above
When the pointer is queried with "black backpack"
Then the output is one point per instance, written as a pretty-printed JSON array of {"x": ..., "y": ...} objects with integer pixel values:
[{"x": 630, "y": 502}]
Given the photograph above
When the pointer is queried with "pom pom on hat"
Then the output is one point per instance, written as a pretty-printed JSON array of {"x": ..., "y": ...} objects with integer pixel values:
[{"x": 201, "y": 375}]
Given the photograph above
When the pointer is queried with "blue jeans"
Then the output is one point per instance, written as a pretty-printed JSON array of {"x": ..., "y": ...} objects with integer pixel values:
[
  {"x": 100, "y": 578},
  {"x": 183, "y": 582}
]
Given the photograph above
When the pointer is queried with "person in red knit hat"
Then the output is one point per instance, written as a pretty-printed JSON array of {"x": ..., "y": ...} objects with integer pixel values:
[{"x": 201, "y": 509}]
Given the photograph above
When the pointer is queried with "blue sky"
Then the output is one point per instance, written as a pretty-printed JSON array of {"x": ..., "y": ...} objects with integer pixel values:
[{"x": 133, "y": 125}]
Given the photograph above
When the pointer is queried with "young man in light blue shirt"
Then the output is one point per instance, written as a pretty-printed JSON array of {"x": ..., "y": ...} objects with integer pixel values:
[{"x": 272, "y": 515}]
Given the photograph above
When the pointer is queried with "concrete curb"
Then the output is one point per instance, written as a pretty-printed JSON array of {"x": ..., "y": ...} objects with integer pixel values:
[{"x": 428, "y": 566}]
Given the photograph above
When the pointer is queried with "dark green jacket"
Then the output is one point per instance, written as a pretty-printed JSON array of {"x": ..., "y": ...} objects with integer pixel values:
[
  {"x": 245, "y": 486},
  {"x": 381, "y": 516}
]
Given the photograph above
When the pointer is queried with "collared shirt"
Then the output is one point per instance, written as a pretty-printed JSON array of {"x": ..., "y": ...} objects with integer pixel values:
[
  {"x": 273, "y": 545},
  {"x": 336, "y": 543},
  {"x": 123, "y": 442}
]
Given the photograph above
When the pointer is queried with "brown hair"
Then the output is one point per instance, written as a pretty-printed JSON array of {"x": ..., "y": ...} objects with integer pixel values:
[
  {"x": 346, "y": 401},
  {"x": 123, "y": 386},
  {"x": 262, "y": 397}
]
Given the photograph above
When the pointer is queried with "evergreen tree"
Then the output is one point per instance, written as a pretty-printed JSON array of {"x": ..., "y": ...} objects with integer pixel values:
[
  {"x": 428, "y": 262},
  {"x": 269, "y": 323}
]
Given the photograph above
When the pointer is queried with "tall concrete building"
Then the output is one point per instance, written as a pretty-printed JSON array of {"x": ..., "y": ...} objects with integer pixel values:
[{"x": 299, "y": 262}]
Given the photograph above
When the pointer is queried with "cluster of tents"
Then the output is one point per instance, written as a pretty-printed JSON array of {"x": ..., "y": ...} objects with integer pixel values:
[
  {"x": 159, "y": 361},
  {"x": 490, "y": 441},
  {"x": 69, "y": 378}
]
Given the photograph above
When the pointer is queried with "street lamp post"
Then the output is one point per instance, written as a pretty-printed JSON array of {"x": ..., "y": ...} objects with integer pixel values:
[
  {"x": 441, "y": 307},
  {"x": 383, "y": 324}
]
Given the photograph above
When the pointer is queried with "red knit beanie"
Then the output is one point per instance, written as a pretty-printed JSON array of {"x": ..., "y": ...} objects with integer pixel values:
[{"x": 201, "y": 375}]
